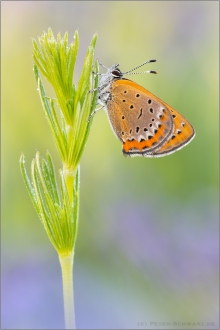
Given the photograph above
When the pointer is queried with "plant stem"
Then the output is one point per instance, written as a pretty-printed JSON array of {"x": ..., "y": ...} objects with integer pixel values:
[
  {"x": 66, "y": 262},
  {"x": 69, "y": 176}
]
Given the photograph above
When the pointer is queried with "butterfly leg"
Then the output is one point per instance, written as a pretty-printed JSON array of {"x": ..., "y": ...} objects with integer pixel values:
[
  {"x": 93, "y": 90},
  {"x": 98, "y": 74},
  {"x": 92, "y": 114},
  {"x": 102, "y": 64}
]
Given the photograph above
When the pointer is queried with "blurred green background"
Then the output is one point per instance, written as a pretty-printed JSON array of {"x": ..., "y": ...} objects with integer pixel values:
[{"x": 147, "y": 248}]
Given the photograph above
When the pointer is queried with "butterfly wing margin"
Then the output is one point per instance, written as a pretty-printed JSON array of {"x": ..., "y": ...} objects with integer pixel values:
[{"x": 183, "y": 134}]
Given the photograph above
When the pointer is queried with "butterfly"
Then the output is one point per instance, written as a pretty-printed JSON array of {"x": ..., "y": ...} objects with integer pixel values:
[{"x": 145, "y": 125}]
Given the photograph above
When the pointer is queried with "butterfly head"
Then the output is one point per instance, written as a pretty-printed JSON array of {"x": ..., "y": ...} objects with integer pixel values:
[{"x": 112, "y": 73}]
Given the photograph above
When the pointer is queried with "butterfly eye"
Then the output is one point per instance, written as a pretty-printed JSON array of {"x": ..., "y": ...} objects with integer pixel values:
[{"x": 117, "y": 73}]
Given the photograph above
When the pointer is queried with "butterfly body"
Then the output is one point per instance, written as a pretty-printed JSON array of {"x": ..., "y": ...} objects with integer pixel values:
[{"x": 145, "y": 125}]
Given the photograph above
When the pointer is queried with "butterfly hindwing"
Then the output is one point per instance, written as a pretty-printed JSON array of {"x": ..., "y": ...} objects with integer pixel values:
[{"x": 139, "y": 120}]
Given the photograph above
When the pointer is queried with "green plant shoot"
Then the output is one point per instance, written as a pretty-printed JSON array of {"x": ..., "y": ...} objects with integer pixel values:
[{"x": 57, "y": 203}]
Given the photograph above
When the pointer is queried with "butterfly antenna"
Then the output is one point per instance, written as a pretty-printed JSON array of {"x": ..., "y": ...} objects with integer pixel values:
[
  {"x": 151, "y": 71},
  {"x": 137, "y": 67}
]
